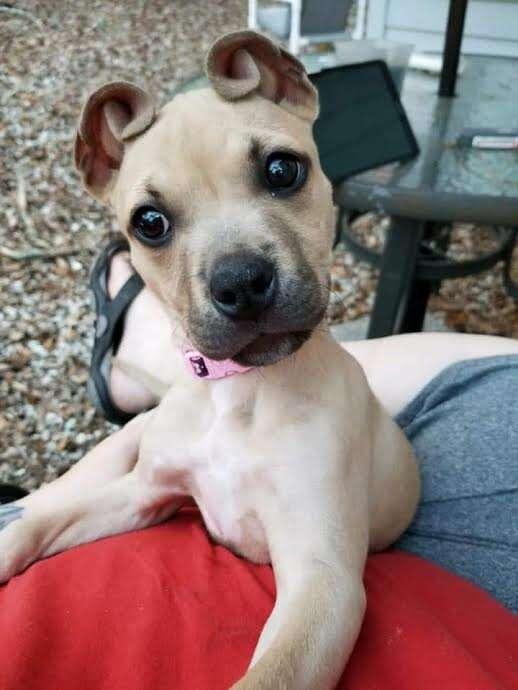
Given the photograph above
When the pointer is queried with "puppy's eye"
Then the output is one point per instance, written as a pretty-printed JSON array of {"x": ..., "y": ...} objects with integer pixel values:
[
  {"x": 150, "y": 226},
  {"x": 284, "y": 172}
]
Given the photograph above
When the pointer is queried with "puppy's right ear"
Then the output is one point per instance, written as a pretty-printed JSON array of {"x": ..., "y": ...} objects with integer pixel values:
[
  {"x": 245, "y": 62},
  {"x": 113, "y": 115}
]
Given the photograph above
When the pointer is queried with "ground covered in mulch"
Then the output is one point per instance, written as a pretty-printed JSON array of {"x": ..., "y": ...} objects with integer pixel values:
[{"x": 53, "y": 53}]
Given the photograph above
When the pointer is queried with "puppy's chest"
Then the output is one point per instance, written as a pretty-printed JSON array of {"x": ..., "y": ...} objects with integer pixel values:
[
  {"x": 230, "y": 517},
  {"x": 218, "y": 465},
  {"x": 228, "y": 484}
]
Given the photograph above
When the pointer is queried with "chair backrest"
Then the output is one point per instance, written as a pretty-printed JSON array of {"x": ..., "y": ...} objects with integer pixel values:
[
  {"x": 362, "y": 123},
  {"x": 324, "y": 16}
]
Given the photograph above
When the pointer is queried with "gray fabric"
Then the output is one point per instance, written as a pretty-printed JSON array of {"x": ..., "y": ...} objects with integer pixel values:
[
  {"x": 324, "y": 17},
  {"x": 463, "y": 427},
  {"x": 9, "y": 513}
]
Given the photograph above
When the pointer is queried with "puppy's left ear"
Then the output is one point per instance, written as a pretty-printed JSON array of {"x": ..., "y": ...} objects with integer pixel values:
[
  {"x": 246, "y": 62},
  {"x": 111, "y": 117}
]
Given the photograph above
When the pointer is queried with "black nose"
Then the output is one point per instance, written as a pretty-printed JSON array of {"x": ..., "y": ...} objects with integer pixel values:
[{"x": 242, "y": 285}]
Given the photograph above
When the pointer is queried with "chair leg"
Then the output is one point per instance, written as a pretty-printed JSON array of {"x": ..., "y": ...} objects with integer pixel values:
[
  {"x": 252, "y": 14},
  {"x": 396, "y": 278},
  {"x": 294, "y": 40}
]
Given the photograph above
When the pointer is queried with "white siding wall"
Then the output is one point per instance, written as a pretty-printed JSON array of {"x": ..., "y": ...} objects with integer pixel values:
[{"x": 491, "y": 25}]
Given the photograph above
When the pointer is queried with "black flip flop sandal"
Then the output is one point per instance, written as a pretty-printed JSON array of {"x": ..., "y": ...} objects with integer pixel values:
[
  {"x": 10, "y": 493},
  {"x": 109, "y": 326}
]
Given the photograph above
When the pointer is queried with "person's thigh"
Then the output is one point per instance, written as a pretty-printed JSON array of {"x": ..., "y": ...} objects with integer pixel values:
[
  {"x": 399, "y": 366},
  {"x": 464, "y": 430}
]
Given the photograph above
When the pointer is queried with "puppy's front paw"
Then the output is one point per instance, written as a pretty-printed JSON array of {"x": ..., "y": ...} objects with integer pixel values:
[{"x": 19, "y": 544}]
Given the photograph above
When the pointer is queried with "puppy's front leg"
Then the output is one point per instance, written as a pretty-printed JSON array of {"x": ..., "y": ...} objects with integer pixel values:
[
  {"x": 318, "y": 549},
  {"x": 113, "y": 457},
  {"x": 311, "y": 631},
  {"x": 122, "y": 505},
  {"x": 74, "y": 511}
]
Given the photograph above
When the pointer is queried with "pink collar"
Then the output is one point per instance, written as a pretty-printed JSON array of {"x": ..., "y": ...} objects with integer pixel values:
[{"x": 202, "y": 367}]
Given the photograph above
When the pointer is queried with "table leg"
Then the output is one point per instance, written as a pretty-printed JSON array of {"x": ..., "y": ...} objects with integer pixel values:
[
  {"x": 420, "y": 291},
  {"x": 415, "y": 308},
  {"x": 396, "y": 277}
]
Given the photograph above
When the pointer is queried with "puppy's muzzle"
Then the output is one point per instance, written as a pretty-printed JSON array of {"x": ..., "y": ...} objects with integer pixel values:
[{"x": 243, "y": 286}]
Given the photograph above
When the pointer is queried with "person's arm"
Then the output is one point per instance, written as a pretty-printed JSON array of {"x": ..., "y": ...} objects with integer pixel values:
[{"x": 399, "y": 366}]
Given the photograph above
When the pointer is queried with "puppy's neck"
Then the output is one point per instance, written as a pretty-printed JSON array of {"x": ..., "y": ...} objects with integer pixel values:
[{"x": 317, "y": 358}]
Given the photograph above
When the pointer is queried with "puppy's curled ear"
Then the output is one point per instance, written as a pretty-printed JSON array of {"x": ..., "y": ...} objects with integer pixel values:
[
  {"x": 245, "y": 62},
  {"x": 112, "y": 115}
]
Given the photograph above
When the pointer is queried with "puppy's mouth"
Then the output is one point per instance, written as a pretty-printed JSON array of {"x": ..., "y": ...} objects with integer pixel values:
[
  {"x": 269, "y": 348},
  {"x": 276, "y": 335}
]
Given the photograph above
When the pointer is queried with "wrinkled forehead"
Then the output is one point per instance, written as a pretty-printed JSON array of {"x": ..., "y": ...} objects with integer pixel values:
[
  {"x": 200, "y": 139},
  {"x": 206, "y": 116}
]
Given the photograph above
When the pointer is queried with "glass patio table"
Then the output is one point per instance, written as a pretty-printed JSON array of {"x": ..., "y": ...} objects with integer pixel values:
[{"x": 447, "y": 182}]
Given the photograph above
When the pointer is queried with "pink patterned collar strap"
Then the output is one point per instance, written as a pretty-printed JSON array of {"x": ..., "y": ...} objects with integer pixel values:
[{"x": 202, "y": 367}]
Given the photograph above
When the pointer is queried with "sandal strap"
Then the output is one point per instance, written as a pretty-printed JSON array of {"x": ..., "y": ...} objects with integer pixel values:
[
  {"x": 108, "y": 330},
  {"x": 110, "y": 321},
  {"x": 116, "y": 310},
  {"x": 9, "y": 493}
]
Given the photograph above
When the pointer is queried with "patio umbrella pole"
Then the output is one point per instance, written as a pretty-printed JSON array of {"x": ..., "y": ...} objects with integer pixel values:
[{"x": 452, "y": 44}]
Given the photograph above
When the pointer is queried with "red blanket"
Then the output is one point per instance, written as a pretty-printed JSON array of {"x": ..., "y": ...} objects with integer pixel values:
[{"x": 167, "y": 609}]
